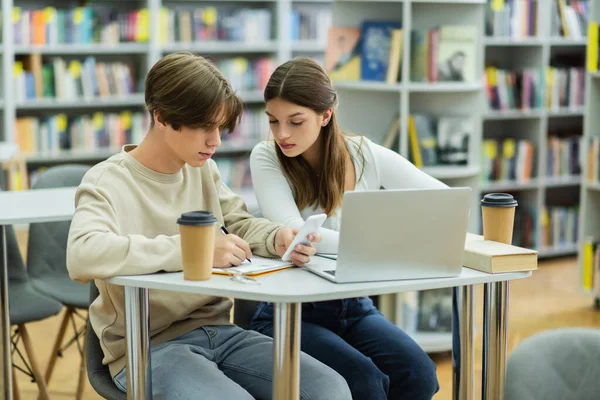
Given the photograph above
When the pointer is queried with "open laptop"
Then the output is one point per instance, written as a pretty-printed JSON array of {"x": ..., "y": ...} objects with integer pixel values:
[{"x": 398, "y": 234}]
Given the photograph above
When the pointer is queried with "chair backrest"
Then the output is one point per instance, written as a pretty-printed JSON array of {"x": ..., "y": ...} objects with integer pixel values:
[
  {"x": 16, "y": 266},
  {"x": 47, "y": 247},
  {"x": 98, "y": 373},
  {"x": 243, "y": 311}
]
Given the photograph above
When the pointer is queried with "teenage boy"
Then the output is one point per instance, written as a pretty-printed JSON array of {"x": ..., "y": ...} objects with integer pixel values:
[{"x": 125, "y": 223}]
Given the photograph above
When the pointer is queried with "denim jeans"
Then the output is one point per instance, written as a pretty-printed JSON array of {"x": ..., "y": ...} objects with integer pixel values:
[
  {"x": 377, "y": 359},
  {"x": 228, "y": 362}
]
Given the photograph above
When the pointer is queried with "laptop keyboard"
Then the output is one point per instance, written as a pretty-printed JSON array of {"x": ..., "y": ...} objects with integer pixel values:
[{"x": 330, "y": 272}]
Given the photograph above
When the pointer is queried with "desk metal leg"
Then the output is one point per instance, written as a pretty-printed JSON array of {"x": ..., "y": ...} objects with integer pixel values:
[
  {"x": 5, "y": 357},
  {"x": 495, "y": 329},
  {"x": 137, "y": 323},
  {"x": 463, "y": 342},
  {"x": 286, "y": 362}
]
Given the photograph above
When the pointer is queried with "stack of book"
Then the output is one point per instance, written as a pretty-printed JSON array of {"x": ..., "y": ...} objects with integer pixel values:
[
  {"x": 186, "y": 25},
  {"x": 563, "y": 158},
  {"x": 514, "y": 90},
  {"x": 560, "y": 226},
  {"x": 593, "y": 159},
  {"x": 508, "y": 159},
  {"x": 247, "y": 74},
  {"x": 88, "y": 132},
  {"x": 36, "y": 78},
  {"x": 444, "y": 54},
  {"x": 565, "y": 87},
  {"x": 569, "y": 18},
  {"x": 371, "y": 52},
  {"x": 78, "y": 25},
  {"x": 590, "y": 278},
  {"x": 511, "y": 18},
  {"x": 310, "y": 24}
]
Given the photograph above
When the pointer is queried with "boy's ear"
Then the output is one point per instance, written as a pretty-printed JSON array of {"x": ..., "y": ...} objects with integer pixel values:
[{"x": 157, "y": 120}]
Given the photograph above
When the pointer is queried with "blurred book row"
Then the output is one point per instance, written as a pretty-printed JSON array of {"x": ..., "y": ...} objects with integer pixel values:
[
  {"x": 373, "y": 52},
  {"x": 235, "y": 172},
  {"x": 590, "y": 265},
  {"x": 560, "y": 226},
  {"x": 308, "y": 23},
  {"x": 186, "y": 25},
  {"x": 507, "y": 160},
  {"x": 36, "y": 78},
  {"x": 511, "y": 18},
  {"x": 523, "y": 89},
  {"x": 88, "y": 132},
  {"x": 593, "y": 159},
  {"x": 569, "y": 18},
  {"x": 433, "y": 140},
  {"x": 246, "y": 74}
]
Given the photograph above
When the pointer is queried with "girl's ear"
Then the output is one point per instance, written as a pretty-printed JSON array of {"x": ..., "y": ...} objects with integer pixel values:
[{"x": 327, "y": 116}]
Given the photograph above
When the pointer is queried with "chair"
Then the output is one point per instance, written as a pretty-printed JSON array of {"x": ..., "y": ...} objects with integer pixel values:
[
  {"x": 46, "y": 265},
  {"x": 26, "y": 305},
  {"x": 98, "y": 373},
  {"x": 243, "y": 311},
  {"x": 555, "y": 365}
]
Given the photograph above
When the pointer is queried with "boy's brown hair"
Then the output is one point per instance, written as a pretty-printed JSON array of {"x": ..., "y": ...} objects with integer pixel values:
[{"x": 188, "y": 90}]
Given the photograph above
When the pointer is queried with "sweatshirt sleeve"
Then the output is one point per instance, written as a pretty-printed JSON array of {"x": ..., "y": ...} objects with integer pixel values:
[
  {"x": 259, "y": 233},
  {"x": 396, "y": 172},
  {"x": 275, "y": 197},
  {"x": 96, "y": 250}
]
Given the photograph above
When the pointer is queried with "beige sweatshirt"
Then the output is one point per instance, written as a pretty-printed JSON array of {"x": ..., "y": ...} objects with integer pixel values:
[{"x": 125, "y": 223}]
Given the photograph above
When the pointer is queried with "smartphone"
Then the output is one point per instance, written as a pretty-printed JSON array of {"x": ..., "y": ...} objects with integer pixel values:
[{"x": 311, "y": 225}]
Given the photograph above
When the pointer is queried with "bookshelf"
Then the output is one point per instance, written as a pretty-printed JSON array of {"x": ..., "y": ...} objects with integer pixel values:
[
  {"x": 542, "y": 46},
  {"x": 266, "y": 34},
  {"x": 590, "y": 188}
]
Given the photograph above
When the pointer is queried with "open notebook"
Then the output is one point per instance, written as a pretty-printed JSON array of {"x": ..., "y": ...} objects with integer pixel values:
[{"x": 259, "y": 265}]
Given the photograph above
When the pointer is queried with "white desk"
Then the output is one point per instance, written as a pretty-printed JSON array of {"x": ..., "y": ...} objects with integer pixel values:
[
  {"x": 43, "y": 205},
  {"x": 288, "y": 289}
]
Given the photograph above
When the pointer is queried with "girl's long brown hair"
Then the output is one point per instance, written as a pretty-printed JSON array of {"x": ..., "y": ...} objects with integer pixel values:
[{"x": 303, "y": 82}]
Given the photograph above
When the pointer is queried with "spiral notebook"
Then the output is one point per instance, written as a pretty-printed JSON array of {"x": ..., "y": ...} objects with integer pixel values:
[{"x": 258, "y": 266}]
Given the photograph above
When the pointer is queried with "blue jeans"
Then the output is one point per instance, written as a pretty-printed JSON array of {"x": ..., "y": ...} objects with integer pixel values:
[
  {"x": 227, "y": 362},
  {"x": 377, "y": 359}
]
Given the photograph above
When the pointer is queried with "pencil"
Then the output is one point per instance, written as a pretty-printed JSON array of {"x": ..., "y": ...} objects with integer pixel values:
[{"x": 225, "y": 231}]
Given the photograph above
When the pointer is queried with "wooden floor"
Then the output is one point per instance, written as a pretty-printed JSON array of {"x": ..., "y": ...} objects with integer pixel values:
[{"x": 549, "y": 299}]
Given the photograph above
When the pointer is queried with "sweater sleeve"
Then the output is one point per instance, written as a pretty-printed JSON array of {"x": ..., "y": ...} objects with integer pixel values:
[
  {"x": 275, "y": 197},
  {"x": 259, "y": 233},
  {"x": 396, "y": 172},
  {"x": 96, "y": 250}
]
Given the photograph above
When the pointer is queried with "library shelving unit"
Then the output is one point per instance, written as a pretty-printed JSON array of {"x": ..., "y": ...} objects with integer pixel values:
[
  {"x": 369, "y": 107},
  {"x": 538, "y": 51},
  {"x": 142, "y": 50},
  {"x": 590, "y": 188}
]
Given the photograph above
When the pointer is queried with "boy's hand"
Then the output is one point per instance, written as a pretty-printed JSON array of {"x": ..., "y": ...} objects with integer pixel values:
[
  {"x": 230, "y": 250},
  {"x": 301, "y": 254}
]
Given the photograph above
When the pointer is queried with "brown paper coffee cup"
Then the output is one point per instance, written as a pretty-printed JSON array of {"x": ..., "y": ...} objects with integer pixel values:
[
  {"x": 498, "y": 215},
  {"x": 197, "y": 233}
]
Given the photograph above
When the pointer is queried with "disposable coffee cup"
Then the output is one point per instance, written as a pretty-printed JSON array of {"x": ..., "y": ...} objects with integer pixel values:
[
  {"x": 498, "y": 212},
  {"x": 197, "y": 231}
]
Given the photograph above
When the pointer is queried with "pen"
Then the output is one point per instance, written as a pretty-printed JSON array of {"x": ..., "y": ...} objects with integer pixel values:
[{"x": 225, "y": 231}]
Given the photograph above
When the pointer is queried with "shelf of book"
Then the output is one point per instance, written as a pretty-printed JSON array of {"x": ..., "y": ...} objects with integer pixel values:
[
  {"x": 91, "y": 102},
  {"x": 308, "y": 46},
  {"x": 452, "y": 172},
  {"x": 595, "y": 186},
  {"x": 513, "y": 114},
  {"x": 562, "y": 181},
  {"x": 368, "y": 86},
  {"x": 87, "y": 49},
  {"x": 566, "y": 250},
  {"x": 562, "y": 41},
  {"x": 509, "y": 185},
  {"x": 577, "y": 111},
  {"x": 222, "y": 47},
  {"x": 509, "y": 41},
  {"x": 66, "y": 155},
  {"x": 440, "y": 87}
]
